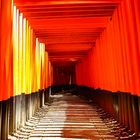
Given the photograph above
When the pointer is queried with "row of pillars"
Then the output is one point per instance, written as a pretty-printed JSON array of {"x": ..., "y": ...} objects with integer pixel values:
[
  {"x": 124, "y": 107},
  {"x": 15, "y": 111}
]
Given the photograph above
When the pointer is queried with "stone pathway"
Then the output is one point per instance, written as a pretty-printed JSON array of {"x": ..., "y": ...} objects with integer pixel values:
[{"x": 67, "y": 117}]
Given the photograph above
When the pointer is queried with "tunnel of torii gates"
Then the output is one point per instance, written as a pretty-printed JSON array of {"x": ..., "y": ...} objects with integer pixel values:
[{"x": 90, "y": 45}]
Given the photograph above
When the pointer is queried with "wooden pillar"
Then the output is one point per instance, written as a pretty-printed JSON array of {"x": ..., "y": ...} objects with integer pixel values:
[
  {"x": 0, "y": 117},
  {"x": 115, "y": 105},
  {"x": 6, "y": 76},
  {"x": 135, "y": 112},
  {"x": 46, "y": 95},
  {"x": 4, "y": 123},
  {"x": 23, "y": 109},
  {"x": 11, "y": 115},
  {"x": 126, "y": 119},
  {"x": 130, "y": 116},
  {"x": 139, "y": 107}
]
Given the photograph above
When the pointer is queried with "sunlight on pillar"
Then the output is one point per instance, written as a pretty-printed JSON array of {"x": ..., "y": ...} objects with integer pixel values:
[
  {"x": 15, "y": 50},
  {"x": 38, "y": 63},
  {"x": 20, "y": 62},
  {"x": 30, "y": 61},
  {"x": 24, "y": 56}
]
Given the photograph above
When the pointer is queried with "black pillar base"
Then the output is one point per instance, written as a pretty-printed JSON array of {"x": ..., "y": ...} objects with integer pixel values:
[{"x": 4, "y": 121}]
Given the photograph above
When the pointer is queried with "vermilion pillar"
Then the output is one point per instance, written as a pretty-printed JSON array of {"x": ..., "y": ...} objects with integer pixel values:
[
  {"x": 114, "y": 64},
  {"x": 6, "y": 65}
]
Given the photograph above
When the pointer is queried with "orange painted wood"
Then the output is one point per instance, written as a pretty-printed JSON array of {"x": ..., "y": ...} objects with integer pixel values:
[
  {"x": 6, "y": 75},
  {"x": 115, "y": 57}
]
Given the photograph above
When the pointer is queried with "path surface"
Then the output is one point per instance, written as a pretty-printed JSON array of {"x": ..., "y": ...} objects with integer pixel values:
[{"x": 67, "y": 117}]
